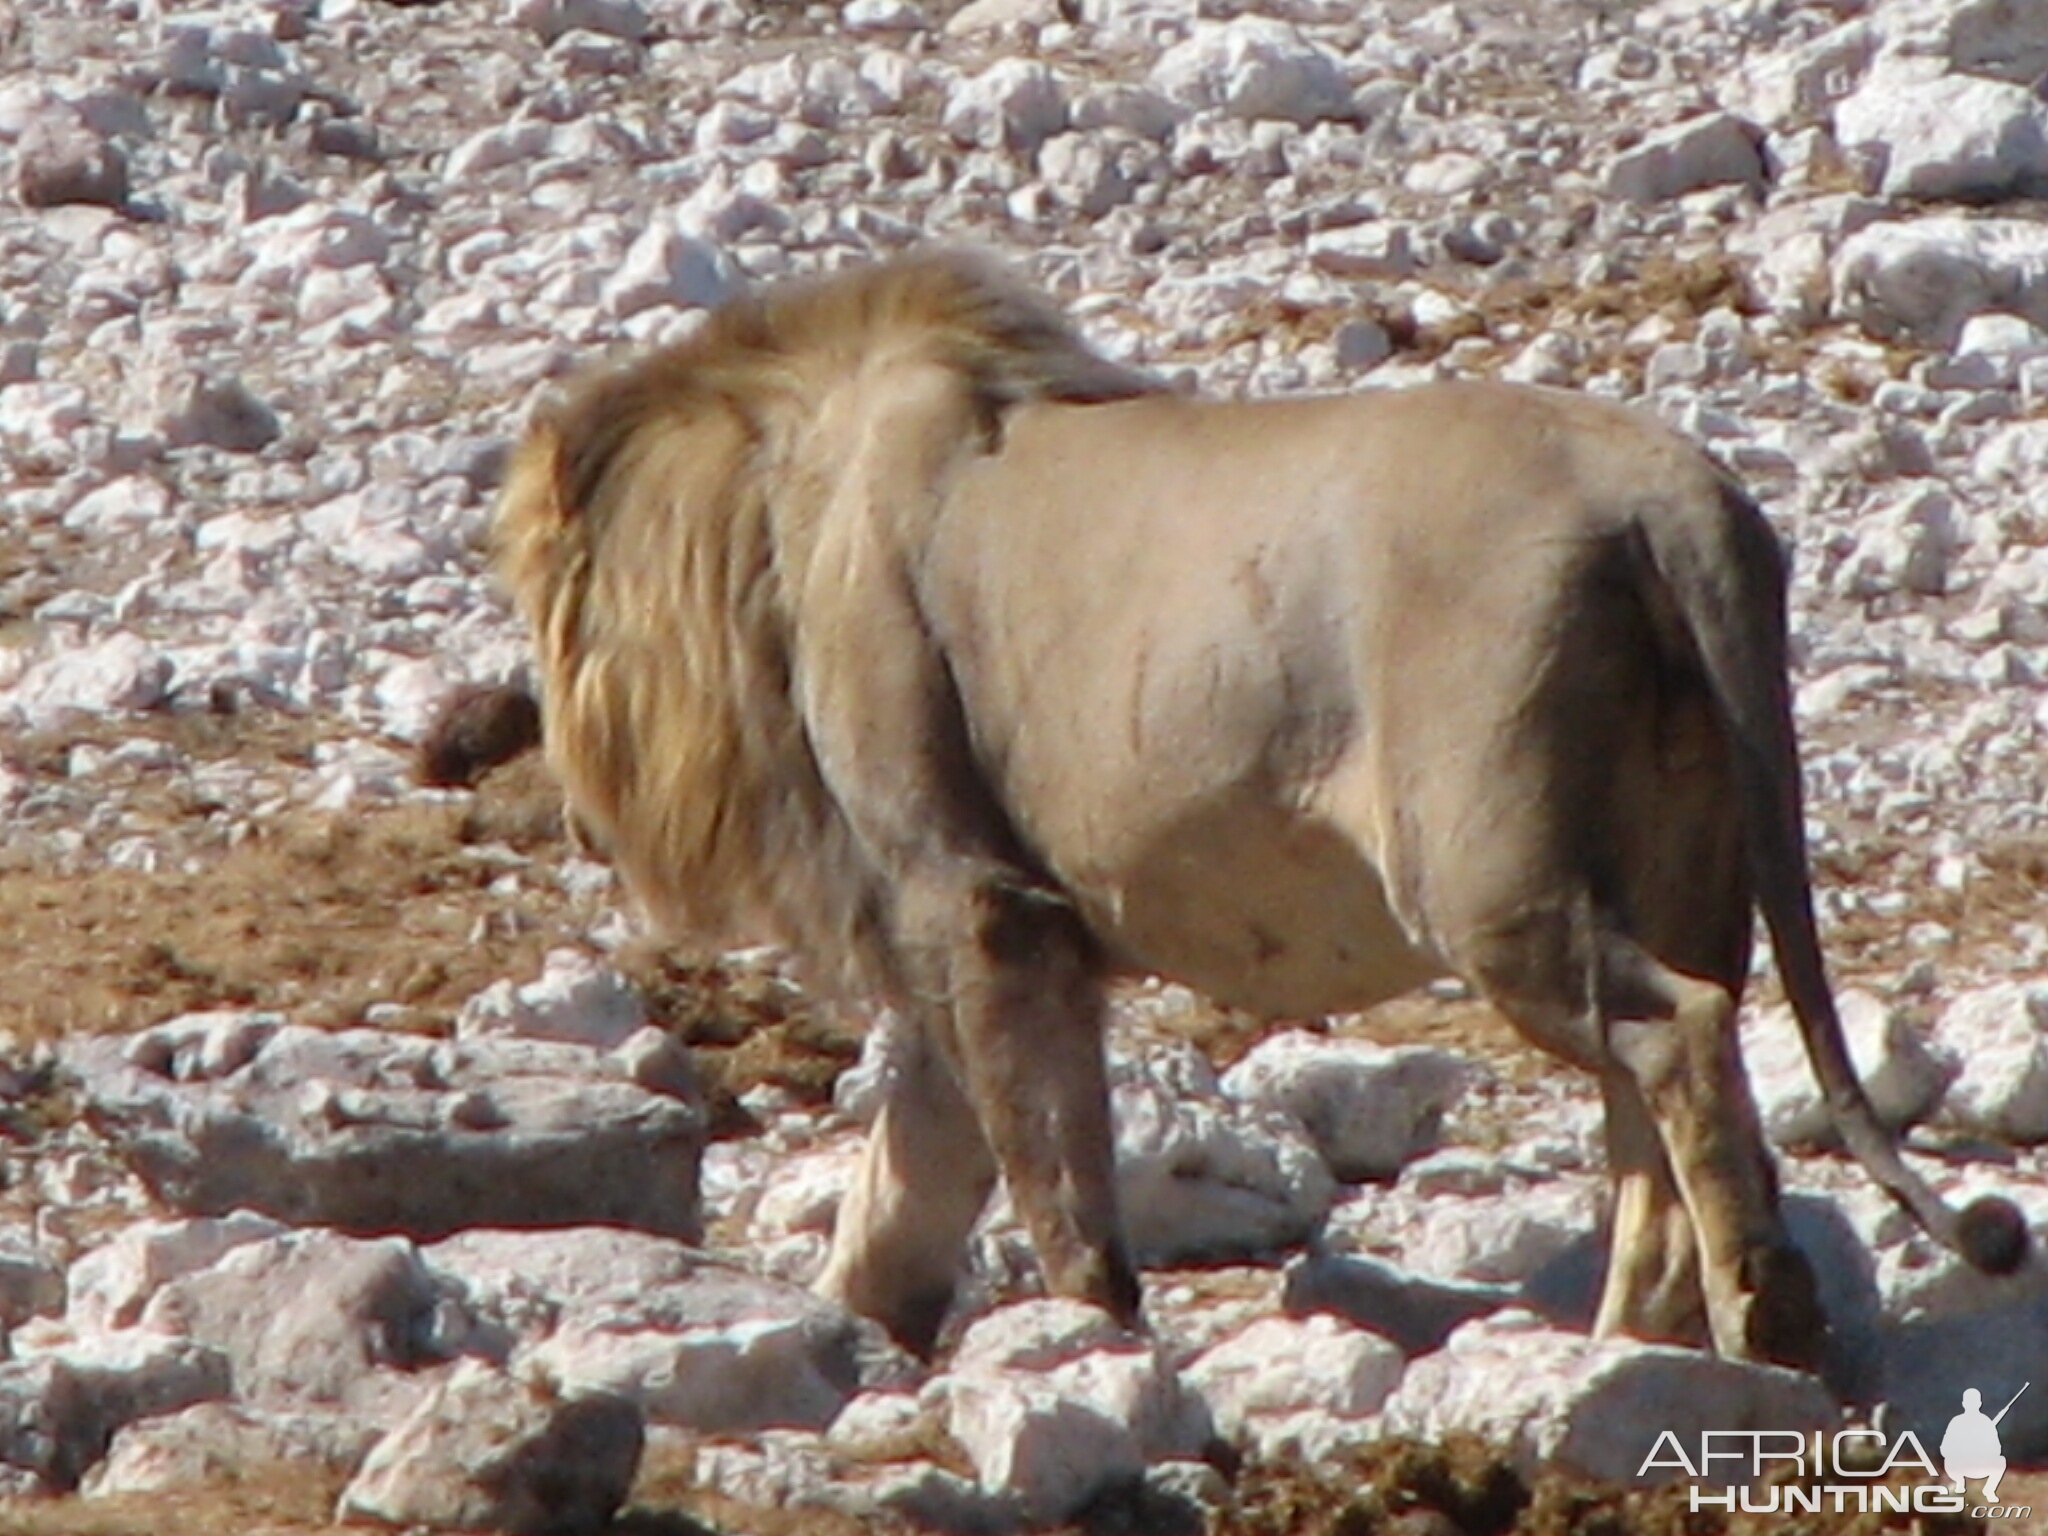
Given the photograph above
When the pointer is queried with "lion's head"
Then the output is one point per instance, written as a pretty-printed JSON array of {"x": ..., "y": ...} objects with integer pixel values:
[{"x": 654, "y": 529}]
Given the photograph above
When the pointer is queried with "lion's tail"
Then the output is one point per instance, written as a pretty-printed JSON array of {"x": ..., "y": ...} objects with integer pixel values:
[{"x": 1726, "y": 572}]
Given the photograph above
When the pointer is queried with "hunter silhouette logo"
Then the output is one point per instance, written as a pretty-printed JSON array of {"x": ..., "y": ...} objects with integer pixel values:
[{"x": 1971, "y": 1448}]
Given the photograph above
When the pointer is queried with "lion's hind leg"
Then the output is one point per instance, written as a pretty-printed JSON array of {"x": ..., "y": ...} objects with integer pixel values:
[
  {"x": 924, "y": 1176},
  {"x": 1653, "y": 1269},
  {"x": 1665, "y": 1046},
  {"x": 1676, "y": 1036}
]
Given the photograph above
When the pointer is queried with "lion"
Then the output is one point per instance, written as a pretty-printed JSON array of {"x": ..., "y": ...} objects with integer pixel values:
[{"x": 886, "y": 618}]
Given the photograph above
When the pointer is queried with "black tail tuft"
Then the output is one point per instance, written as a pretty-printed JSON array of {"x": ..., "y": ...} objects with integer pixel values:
[{"x": 1992, "y": 1234}]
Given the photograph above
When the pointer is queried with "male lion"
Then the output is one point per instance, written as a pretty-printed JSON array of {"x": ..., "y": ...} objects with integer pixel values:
[{"x": 886, "y": 616}]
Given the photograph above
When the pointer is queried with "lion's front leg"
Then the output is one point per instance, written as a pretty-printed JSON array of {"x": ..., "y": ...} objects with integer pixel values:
[
  {"x": 1028, "y": 1008},
  {"x": 924, "y": 1177}
]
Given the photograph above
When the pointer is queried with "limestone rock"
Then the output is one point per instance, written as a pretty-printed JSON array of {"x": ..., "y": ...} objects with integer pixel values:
[
  {"x": 489, "y": 1452},
  {"x": 1369, "y": 1109},
  {"x": 1903, "y": 1076},
  {"x": 577, "y": 999},
  {"x": 1203, "y": 1179},
  {"x": 1415, "y": 1312},
  {"x": 31, "y": 1283},
  {"x": 1254, "y": 67},
  {"x": 308, "y": 1318},
  {"x": 111, "y": 1285},
  {"x": 60, "y": 159},
  {"x": 1549, "y": 1398},
  {"x": 59, "y": 1408},
  {"x": 2000, "y": 1036},
  {"x": 1955, "y": 136},
  {"x": 1281, "y": 1368},
  {"x": 331, "y": 1129},
  {"x": 1050, "y": 1452},
  {"x": 1921, "y": 279},
  {"x": 1707, "y": 151},
  {"x": 209, "y": 1442}
]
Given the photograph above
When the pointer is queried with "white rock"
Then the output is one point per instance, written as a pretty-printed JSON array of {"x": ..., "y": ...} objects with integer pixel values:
[
  {"x": 1080, "y": 1351},
  {"x": 594, "y": 53},
  {"x": 121, "y": 672},
  {"x": 1548, "y": 1399},
  {"x": 1255, "y": 67},
  {"x": 1282, "y": 1366},
  {"x": 218, "y": 1441},
  {"x": 748, "y": 1375},
  {"x": 59, "y": 1406},
  {"x": 37, "y": 420},
  {"x": 2006, "y": 39},
  {"x": 552, "y": 18},
  {"x": 1903, "y": 1076},
  {"x": 1921, "y": 280},
  {"x": 875, "y": 1417},
  {"x": 61, "y": 159},
  {"x": 1503, "y": 1239},
  {"x": 2004, "y": 342},
  {"x": 1369, "y": 1109},
  {"x": 1092, "y": 173},
  {"x": 1951, "y": 137},
  {"x": 319, "y": 236},
  {"x": 131, "y": 505},
  {"x": 31, "y": 1284},
  {"x": 1552, "y": 358},
  {"x": 883, "y": 16},
  {"x": 665, "y": 266},
  {"x": 1002, "y": 16},
  {"x": 516, "y": 143},
  {"x": 409, "y": 694},
  {"x": 776, "y": 1469},
  {"x": 1200, "y": 1179},
  {"x": 1776, "y": 87},
  {"x": 1414, "y": 1312},
  {"x": 1907, "y": 542},
  {"x": 307, "y": 1318},
  {"x": 1050, "y": 1452},
  {"x": 577, "y": 998},
  {"x": 1037, "y": 1335},
  {"x": 2000, "y": 1035},
  {"x": 885, "y": 1049},
  {"x": 804, "y": 1193},
  {"x": 1711, "y": 150},
  {"x": 1139, "y": 1388},
  {"x": 325, "y": 1124},
  {"x": 111, "y": 1285},
  {"x": 1134, "y": 108},
  {"x": 1014, "y": 104},
  {"x": 486, "y": 1451},
  {"x": 1374, "y": 249},
  {"x": 1139, "y": 21},
  {"x": 219, "y": 412}
]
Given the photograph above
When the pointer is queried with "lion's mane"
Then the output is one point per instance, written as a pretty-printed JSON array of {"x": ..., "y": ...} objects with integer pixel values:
[{"x": 655, "y": 528}]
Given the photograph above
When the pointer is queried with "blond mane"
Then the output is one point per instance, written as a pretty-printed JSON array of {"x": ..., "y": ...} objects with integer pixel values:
[{"x": 655, "y": 529}]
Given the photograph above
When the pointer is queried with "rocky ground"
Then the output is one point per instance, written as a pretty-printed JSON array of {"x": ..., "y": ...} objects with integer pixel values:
[{"x": 277, "y": 282}]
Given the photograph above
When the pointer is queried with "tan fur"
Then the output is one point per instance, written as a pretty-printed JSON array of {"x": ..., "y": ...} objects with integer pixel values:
[
  {"x": 885, "y": 618},
  {"x": 656, "y": 526}
]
